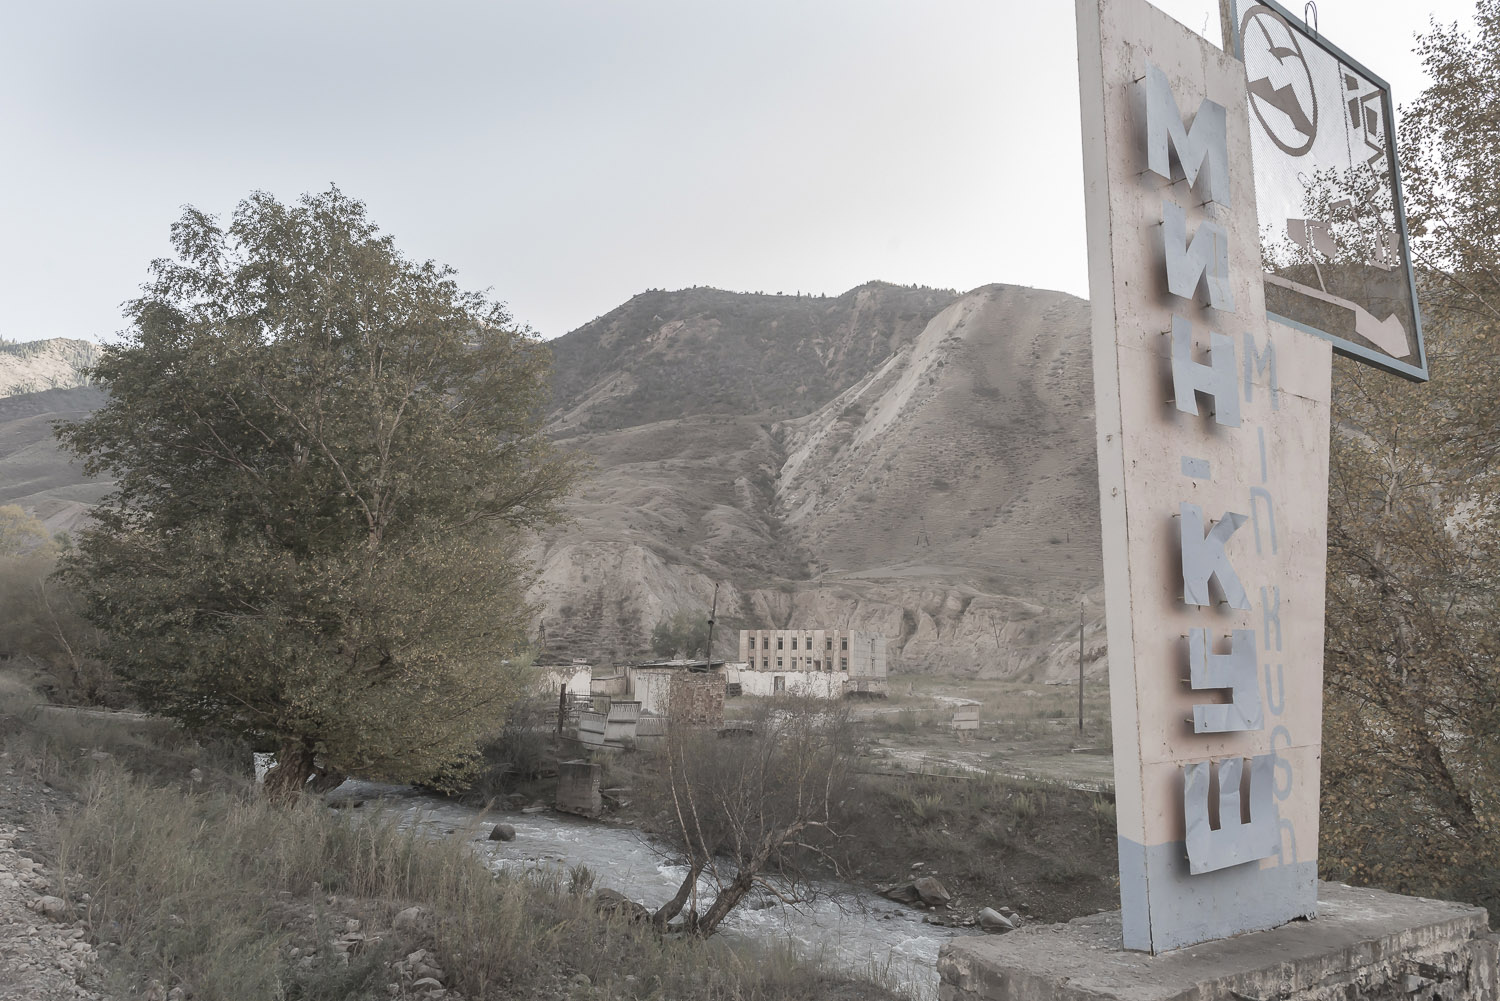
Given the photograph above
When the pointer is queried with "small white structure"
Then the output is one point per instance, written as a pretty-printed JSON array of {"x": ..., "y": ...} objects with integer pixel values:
[
  {"x": 574, "y": 677},
  {"x": 813, "y": 684}
]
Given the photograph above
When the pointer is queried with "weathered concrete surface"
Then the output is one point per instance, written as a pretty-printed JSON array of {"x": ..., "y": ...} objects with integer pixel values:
[
  {"x": 1364, "y": 944},
  {"x": 578, "y": 787}
]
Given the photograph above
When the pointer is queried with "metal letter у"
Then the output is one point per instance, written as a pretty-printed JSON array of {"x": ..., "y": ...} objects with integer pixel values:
[{"x": 1238, "y": 670}]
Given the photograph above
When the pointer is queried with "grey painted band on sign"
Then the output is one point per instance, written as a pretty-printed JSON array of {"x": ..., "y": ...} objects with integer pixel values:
[{"x": 1189, "y": 909}]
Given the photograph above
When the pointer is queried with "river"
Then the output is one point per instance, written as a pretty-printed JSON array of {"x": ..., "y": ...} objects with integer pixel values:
[{"x": 845, "y": 926}]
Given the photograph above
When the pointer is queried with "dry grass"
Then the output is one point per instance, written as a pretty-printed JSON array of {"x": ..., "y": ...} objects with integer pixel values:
[{"x": 198, "y": 882}]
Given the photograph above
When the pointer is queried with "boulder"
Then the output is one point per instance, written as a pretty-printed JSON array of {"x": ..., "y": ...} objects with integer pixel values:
[
  {"x": 502, "y": 832},
  {"x": 901, "y": 893},
  {"x": 55, "y": 908},
  {"x": 410, "y": 919},
  {"x": 932, "y": 893},
  {"x": 993, "y": 921},
  {"x": 613, "y": 903}
]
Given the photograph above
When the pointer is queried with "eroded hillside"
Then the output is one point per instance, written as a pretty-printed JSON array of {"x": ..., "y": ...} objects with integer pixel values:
[{"x": 945, "y": 500}]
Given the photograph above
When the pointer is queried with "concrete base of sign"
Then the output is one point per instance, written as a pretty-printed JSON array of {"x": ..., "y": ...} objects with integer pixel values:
[{"x": 1364, "y": 944}]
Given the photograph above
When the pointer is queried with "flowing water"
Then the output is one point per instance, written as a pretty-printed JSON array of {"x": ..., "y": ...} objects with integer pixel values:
[{"x": 844, "y": 926}]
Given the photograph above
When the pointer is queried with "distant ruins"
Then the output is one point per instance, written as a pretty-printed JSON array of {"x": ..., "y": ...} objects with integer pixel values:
[{"x": 830, "y": 663}]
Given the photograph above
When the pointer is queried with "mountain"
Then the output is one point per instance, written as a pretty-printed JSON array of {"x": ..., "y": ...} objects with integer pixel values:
[
  {"x": 33, "y": 366},
  {"x": 34, "y": 472},
  {"x": 906, "y": 461},
  {"x": 666, "y": 355}
]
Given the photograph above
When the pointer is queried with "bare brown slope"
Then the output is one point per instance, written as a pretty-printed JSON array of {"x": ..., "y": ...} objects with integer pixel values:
[
  {"x": 946, "y": 501},
  {"x": 34, "y": 472},
  {"x": 665, "y": 355}
]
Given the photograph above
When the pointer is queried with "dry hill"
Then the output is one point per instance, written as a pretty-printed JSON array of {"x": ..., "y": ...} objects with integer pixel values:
[
  {"x": 944, "y": 498},
  {"x": 33, "y": 366},
  {"x": 907, "y": 461}
]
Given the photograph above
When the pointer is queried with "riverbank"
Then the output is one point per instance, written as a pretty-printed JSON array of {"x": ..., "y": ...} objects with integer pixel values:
[{"x": 189, "y": 887}]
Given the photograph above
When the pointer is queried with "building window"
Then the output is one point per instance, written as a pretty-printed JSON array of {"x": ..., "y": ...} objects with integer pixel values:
[
  {"x": 843, "y": 663},
  {"x": 794, "y": 642},
  {"x": 830, "y": 643},
  {"x": 778, "y": 684},
  {"x": 765, "y": 662},
  {"x": 809, "y": 642},
  {"x": 778, "y": 642},
  {"x": 817, "y": 665},
  {"x": 778, "y": 661},
  {"x": 844, "y": 643},
  {"x": 752, "y": 642}
]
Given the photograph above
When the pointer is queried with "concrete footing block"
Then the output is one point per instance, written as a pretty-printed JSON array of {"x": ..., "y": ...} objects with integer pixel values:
[
  {"x": 578, "y": 787},
  {"x": 1364, "y": 944}
]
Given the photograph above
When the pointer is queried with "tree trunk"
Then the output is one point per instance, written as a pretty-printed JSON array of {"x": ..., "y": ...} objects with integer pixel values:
[
  {"x": 295, "y": 764},
  {"x": 673, "y": 907},
  {"x": 725, "y": 902}
]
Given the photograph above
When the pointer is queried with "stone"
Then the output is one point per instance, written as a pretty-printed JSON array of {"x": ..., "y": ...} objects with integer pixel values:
[
  {"x": 933, "y": 893},
  {"x": 580, "y": 980},
  {"x": 55, "y": 908},
  {"x": 535, "y": 808},
  {"x": 428, "y": 983},
  {"x": 409, "y": 919},
  {"x": 613, "y": 903},
  {"x": 502, "y": 832},
  {"x": 992, "y": 920},
  {"x": 901, "y": 893},
  {"x": 1364, "y": 943}
]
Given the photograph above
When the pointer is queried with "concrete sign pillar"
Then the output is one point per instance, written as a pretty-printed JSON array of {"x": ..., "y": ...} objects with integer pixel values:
[{"x": 1213, "y": 476}]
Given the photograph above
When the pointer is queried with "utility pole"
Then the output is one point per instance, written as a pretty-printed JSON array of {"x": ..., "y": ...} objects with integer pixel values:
[
  {"x": 1080, "y": 667},
  {"x": 713, "y": 611}
]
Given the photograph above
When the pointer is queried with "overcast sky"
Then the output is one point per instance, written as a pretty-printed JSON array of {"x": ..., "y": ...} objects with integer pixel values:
[{"x": 568, "y": 155}]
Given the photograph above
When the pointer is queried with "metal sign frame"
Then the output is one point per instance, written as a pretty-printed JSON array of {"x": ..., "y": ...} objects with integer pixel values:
[{"x": 1343, "y": 346}]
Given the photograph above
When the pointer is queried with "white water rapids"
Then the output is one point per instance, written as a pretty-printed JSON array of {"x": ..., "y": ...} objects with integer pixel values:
[{"x": 845, "y": 926}]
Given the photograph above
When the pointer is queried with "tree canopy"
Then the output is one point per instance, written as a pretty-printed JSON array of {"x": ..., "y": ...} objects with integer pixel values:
[
  {"x": 1412, "y": 721},
  {"x": 326, "y": 456}
]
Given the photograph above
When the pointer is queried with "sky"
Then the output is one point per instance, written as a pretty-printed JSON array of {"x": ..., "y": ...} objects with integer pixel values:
[{"x": 566, "y": 155}]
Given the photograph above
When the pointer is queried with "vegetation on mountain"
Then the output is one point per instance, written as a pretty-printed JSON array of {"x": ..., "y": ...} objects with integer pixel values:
[
  {"x": 53, "y": 363},
  {"x": 1411, "y": 759},
  {"x": 326, "y": 457}
]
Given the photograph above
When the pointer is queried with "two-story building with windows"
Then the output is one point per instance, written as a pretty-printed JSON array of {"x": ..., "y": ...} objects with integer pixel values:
[{"x": 826, "y": 662}]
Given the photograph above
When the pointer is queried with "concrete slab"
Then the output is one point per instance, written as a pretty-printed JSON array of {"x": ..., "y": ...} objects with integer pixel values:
[{"x": 1364, "y": 944}]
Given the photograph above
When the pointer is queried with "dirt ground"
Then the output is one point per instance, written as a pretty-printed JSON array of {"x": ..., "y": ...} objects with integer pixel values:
[{"x": 1018, "y": 813}]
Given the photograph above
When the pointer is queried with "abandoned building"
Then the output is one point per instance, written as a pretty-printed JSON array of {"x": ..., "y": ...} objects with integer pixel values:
[
  {"x": 827, "y": 663},
  {"x": 689, "y": 692}
]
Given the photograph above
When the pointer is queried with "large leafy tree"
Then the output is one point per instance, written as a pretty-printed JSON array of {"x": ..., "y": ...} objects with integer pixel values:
[
  {"x": 326, "y": 456},
  {"x": 1412, "y": 747}
]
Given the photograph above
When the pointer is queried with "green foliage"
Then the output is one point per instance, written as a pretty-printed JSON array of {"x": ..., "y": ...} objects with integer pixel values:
[
  {"x": 683, "y": 634},
  {"x": 42, "y": 630},
  {"x": 326, "y": 456},
  {"x": 1412, "y": 710},
  {"x": 21, "y": 533}
]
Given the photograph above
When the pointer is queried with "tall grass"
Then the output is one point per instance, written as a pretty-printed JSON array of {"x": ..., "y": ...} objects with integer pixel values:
[{"x": 206, "y": 886}]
